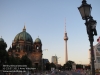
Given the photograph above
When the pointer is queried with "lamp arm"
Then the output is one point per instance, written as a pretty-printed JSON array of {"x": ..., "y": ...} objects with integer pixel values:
[{"x": 95, "y": 32}]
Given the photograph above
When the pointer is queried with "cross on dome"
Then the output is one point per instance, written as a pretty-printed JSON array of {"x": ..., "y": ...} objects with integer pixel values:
[{"x": 24, "y": 29}]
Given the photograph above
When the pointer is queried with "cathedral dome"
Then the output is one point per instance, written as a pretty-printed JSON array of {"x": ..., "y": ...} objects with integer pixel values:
[
  {"x": 1, "y": 39},
  {"x": 24, "y": 36},
  {"x": 38, "y": 40}
]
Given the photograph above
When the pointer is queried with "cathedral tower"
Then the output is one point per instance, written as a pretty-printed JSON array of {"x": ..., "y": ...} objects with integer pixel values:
[{"x": 65, "y": 39}]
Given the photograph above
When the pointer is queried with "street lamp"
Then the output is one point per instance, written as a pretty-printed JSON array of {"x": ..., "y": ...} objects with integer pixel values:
[
  {"x": 85, "y": 11},
  {"x": 42, "y": 58}
]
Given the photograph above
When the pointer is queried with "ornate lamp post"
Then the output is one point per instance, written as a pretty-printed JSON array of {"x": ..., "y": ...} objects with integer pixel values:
[{"x": 85, "y": 11}]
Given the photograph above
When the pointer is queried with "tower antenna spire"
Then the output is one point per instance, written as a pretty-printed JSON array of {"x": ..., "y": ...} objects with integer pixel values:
[
  {"x": 24, "y": 29},
  {"x": 24, "y": 26},
  {"x": 65, "y": 25}
]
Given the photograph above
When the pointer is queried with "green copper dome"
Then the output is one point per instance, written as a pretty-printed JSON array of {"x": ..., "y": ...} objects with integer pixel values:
[
  {"x": 23, "y": 36},
  {"x": 38, "y": 40},
  {"x": 1, "y": 39}
]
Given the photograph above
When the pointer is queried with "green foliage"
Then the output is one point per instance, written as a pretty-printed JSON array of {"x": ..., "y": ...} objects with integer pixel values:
[
  {"x": 26, "y": 61},
  {"x": 79, "y": 66},
  {"x": 88, "y": 67},
  {"x": 3, "y": 58},
  {"x": 68, "y": 65},
  {"x": 14, "y": 61},
  {"x": 48, "y": 67},
  {"x": 20, "y": 61},
  {"x": 11, "y": 60},
  {"x": 52, "y": 65},
  {"x": 3, "y": 54},
  {"x": 3, "y": 46},
  {"x": 60, "y": 67}
]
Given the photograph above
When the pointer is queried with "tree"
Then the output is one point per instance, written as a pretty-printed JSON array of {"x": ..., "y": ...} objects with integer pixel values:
[
  {"x": 87, "y": 66},
  {"x": 68, "y": 65},
  {"x": 3, "y": 54},
  {"x": 48, "y": 66},
  {"x": 52, "y": 65},
  {"x": 13, "y": 60},
  {"x": 25, "y": 61},
  {"x": 60, "y": 67},
  {"x": 79, "y": 66},
  {"x": 3, "y": 45}
]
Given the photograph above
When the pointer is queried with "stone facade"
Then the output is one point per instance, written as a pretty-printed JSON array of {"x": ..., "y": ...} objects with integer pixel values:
[{"x": 24, "y": 45}]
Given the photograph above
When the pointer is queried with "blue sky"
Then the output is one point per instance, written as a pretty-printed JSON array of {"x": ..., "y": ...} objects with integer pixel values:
[{"x": 46, "y": 19}]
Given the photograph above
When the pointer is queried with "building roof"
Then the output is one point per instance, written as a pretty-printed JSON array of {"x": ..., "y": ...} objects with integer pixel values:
[
  {"x": 23, "y": 36},
  {"x": 38, "y": 40}
]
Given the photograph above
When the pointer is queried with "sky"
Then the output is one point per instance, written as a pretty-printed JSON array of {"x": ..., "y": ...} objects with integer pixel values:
[{"x": 46, "y": 19}]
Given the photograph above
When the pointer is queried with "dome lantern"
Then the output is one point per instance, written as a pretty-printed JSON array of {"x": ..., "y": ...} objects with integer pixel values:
[{"x": 24, "y": 29}]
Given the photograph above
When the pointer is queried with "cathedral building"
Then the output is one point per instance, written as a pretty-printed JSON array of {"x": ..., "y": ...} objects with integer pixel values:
[{"x": 23, "y": 45}]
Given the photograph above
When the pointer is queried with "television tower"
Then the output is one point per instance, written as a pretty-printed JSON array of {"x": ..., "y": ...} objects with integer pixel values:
[{"x": 65, "y": 39}]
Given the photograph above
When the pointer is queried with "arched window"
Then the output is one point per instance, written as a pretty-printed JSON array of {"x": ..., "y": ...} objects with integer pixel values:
[{"x": 37, "y": 47}]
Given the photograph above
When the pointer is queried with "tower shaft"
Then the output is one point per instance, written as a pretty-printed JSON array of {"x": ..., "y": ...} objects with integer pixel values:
[
  {"x": 65, "y": 39},
  {"x": 66, "y": 54}
]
